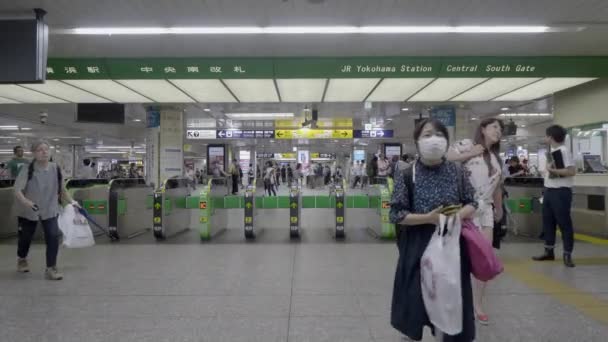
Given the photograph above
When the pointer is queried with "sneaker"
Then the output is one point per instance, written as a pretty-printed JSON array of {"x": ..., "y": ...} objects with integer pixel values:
[
  {"x": 22, "y": 266},
  {"x": 53, "y": 274}
]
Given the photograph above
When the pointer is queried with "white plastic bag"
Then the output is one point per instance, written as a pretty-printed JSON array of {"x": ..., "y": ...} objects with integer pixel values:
[
  {"x": 440, "y": 277},
  {"x": 75, "y": 228}
]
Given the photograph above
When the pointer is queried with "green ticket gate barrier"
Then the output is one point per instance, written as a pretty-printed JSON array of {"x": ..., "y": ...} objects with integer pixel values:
[
  {"x": 128, "y": 214},
  {"x": 171, "y": 202},
  {"x": 8, "y": 222},
  {"x": 249, "y": 207},
  {"x": 340, "y": 210},
  {"x": 93, "y": 196},
  {"x": 210, "y": 224},
  {"x": 387, "y": 230},
  {"x": 294, "y": 212}
]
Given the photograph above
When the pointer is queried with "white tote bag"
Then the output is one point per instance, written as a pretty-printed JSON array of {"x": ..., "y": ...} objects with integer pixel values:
[
  {"x": 440, "y": 277},
  {"x": 75, "y": 228}
]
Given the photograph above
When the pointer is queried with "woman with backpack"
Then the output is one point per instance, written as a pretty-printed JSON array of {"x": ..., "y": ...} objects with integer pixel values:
[
  {"x": 269, "y": 179},
  {"x": 421, "y": 194},
  {"x": 39, "y": 191}
]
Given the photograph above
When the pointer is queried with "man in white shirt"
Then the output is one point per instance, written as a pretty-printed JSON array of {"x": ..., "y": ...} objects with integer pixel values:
[{"x": 557, "y": 198}]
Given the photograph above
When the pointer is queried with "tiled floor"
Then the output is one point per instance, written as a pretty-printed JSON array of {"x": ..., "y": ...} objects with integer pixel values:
[{"x": 269, "y": 291}]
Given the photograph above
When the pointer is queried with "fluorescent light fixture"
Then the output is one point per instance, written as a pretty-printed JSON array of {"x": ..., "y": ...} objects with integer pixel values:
[
  {"x": 207, "y": 109},
  {"x": 405, "y": 109},
  {"x": 259, "y": 116},
  {"x": 208, "y": 91},
  {"x": 73, "y": 137},
  {"x": 4, "y": 100},
  {"x": 543, "y": 88},
  {"x": 158, "y": 90},
  {"x": 443, "y": 89},
  {"x": 349, "y": 89},
  {"x": 25, "y": 129},
  {"x": 110, "y": 90},
  {"x": 9, "y": 128},
  {"x": 242, "y": 30},
  {"x": 493, "y": 87},
  {"x": 397, "y": 89},
  {"x": 525, "y": 114},
  {"x": 66, "y": 92},
  {"x": 473, "y": 119},
  {"x": 136, "y": 120},
  {"x": 301, "y": 89},
  {"x": 505, "y": 108},
  {"x": 25, "y": 95},
  {"x": 253, "y": 90}
]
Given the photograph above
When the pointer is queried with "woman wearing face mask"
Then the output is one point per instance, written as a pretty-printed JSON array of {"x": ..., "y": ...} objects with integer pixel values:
[
  {"x": 482, "y": 164},
  {"x": 420, "y": 192}
]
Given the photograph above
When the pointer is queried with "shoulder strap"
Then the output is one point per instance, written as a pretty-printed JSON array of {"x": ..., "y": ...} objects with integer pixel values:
[
  {"x": 30, "y": 171},
  {"x": 408, "y": 178}
]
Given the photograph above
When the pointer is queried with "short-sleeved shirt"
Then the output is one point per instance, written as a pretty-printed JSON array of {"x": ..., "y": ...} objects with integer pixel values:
[
  {"x": 42, "y": 189},
  {"x": 484, "y": 181},
  {"x": 15, "y": 165},
  {"x": 561, "y": 182},
  {"x": 435, "y": 186}
]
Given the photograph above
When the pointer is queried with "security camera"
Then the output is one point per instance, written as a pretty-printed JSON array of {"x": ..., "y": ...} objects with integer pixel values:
[{"x": 44, "y": 117}]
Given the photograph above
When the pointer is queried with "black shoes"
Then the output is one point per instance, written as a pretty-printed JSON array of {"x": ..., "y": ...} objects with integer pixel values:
[
  {"x": 548, "y": 255},
  {"x": 568, "y": 260}
]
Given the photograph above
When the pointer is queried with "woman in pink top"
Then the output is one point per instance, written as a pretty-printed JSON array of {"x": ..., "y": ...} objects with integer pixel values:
[{"x": 481, "y": 161}]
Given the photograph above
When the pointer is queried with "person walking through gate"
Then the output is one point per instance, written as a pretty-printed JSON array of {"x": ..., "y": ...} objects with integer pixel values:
[
  {"x": 557, "y": 198},
  {"x": 234, "y": 173},
  {"x": 39, "y": 190}
]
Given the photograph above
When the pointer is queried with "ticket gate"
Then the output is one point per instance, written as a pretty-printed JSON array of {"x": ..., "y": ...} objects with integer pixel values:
[
  {"x": 295, "y": 205},
  {"x": 170, "y": 208},
  {"x": 210, "y": 223},
  {"x": 340, "y": 210},
  {"x": 129, "y": 216},
  {"x": 92, "y": 194},
  {"x": 249, "y": 208},
  {"x": 8, "y": 220}
]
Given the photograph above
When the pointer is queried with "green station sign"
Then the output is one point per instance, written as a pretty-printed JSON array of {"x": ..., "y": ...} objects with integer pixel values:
[{"x": 356, "y": 67}]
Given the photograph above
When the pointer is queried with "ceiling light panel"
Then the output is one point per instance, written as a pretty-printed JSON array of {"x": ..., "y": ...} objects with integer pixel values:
[
  {"x": 4, "y": 100},
  {"x": 158, "y": 90},
  {"x": 253, "y": 90},
  {"x": 443, "y": 89},
  {"x": 397, "y": 89},
  {"x": 349, "y": 89},
  {"x": 110, "y": 90},
  {"x": 65, "y": 91},
  {"x": 493, "y": 88},
  {"x": 25, "y": 95},
  {"x": 259, "y": 116},
  {"x": 542, "y": 88},
  {"x": 301, "y": 89},
  {"x": 207, "y": 91}
]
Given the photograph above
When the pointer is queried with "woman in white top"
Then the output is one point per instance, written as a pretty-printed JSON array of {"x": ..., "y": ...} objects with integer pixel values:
[{"x": 481, "y": 160}]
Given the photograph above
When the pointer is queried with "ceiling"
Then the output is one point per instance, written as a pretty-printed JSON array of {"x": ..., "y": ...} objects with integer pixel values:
[{"x": 64, "y": 14}]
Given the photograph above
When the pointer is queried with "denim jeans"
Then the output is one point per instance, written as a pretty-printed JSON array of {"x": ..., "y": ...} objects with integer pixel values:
[{"x": 26, "y": 232}]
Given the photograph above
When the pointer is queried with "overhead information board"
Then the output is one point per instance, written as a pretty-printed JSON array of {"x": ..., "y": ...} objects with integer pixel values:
[
  {"x": 305, "y": 133},
  {"x": 357, "y": 67}
]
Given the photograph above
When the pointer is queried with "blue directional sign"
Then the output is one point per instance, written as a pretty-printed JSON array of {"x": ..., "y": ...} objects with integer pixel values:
[
  {"x": 245, "y": 134},
  {"x": 377, "y": 133}
]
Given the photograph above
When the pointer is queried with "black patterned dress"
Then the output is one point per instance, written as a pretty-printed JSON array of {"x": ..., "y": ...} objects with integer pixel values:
[{"x": 441, "y": 185}]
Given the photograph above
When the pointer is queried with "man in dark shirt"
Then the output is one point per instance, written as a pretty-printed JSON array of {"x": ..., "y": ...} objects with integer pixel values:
[{"x": 515, "y": 169}]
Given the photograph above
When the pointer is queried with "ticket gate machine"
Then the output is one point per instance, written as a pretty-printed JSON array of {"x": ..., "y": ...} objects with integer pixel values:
[
  {"x": 249, "y": 207},
  {"x": 340, "y": 209},
  {"x": 294, "y": 212}
]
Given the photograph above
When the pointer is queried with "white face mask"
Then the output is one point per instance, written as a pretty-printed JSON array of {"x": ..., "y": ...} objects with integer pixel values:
[{"x": 432, "y": 148}]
